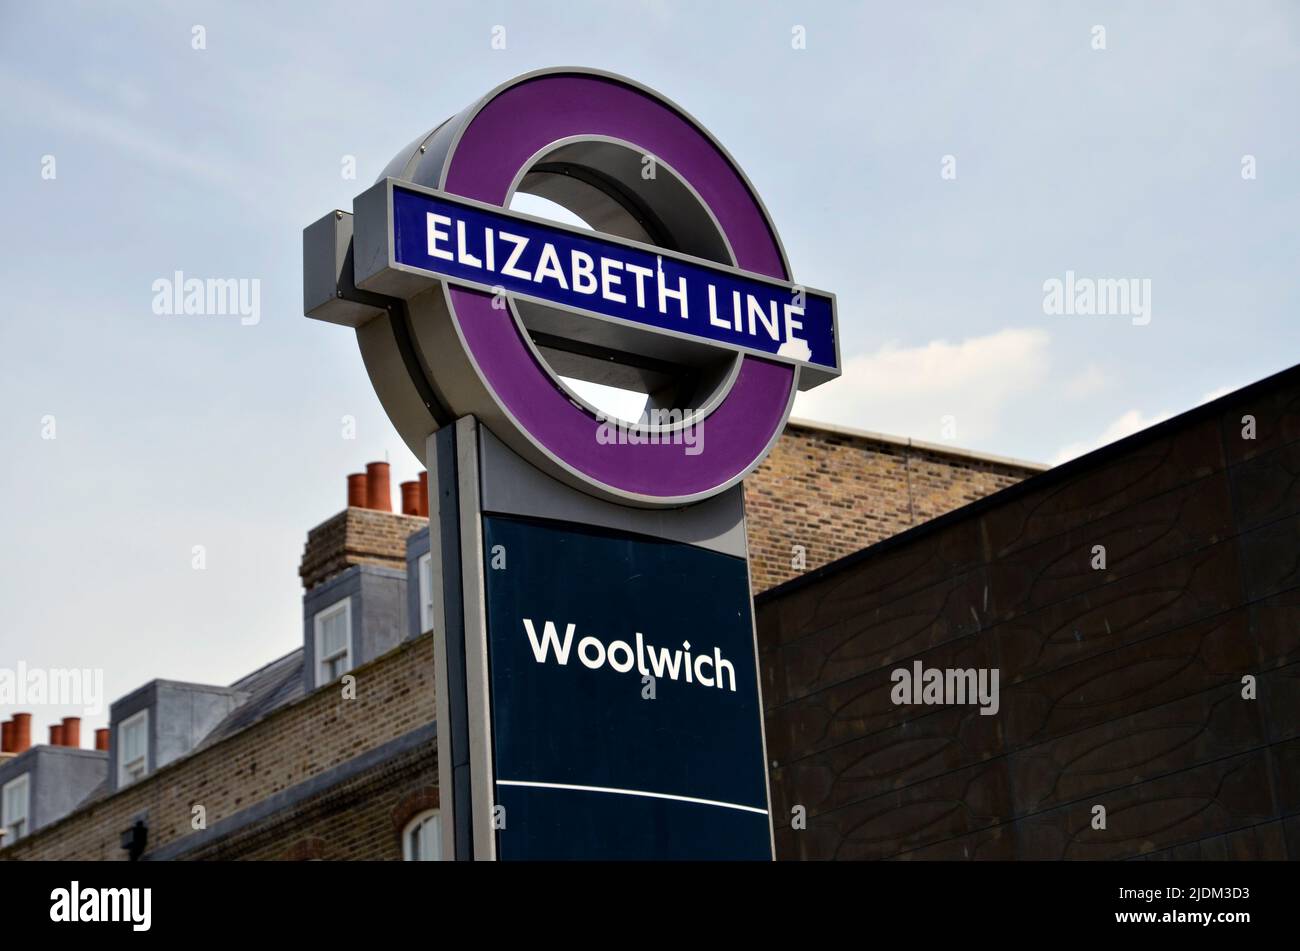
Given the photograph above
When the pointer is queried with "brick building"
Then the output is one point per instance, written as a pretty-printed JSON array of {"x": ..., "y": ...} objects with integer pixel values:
[{"x": 281, "y": 765}]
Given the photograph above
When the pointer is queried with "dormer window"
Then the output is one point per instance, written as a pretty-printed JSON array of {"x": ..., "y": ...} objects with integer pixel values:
[
  {"x": 15, "y": 801},
  {"x": 354, "y": 617},
  {"x": 333, "y": 642},
  {"x": 133, "y": 748}
]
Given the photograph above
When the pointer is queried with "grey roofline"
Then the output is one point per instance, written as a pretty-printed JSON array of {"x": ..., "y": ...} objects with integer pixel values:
[
  {"x": 39, "y": 749},
  {"x": 269, "y": 664},
  {"x": 935, "y": 447}
]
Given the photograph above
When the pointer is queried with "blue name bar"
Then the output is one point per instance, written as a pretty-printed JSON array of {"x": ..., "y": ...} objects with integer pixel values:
[{"x": 486, "y": 248}]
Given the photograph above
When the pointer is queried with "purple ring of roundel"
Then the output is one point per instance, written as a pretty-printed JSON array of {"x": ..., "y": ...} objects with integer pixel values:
[{"x": 505, "y": 133}]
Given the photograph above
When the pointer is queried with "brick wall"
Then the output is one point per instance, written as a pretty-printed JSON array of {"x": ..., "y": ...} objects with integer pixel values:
[
  {"x": 836, "y": 491},
  {"x": 394, "y": 695},
  {"x": 361, "y": 819},
  {"x": 356, "y": 536}
]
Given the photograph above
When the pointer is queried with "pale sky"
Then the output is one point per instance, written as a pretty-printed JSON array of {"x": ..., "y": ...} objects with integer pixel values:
[{"x": 171, "y": 432}]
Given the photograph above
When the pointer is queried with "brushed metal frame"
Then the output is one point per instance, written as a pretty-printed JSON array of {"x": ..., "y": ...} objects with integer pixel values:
[{"x": 477, "y": 684}]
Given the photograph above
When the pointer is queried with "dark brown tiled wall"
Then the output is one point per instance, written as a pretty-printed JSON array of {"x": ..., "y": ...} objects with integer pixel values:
[{"x": 1119, "y": 687}]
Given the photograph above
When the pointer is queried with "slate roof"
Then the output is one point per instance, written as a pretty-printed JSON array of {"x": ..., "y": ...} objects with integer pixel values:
[{"x": 268, "y": 688}]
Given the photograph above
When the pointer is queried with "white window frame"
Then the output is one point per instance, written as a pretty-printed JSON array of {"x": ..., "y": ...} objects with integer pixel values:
[
  {"x": 6, "y": 819},
  {"x": 428, "y": 819},
  {"x": 124, "y": 777},
  {"x": 424, "y": 573},
  {"x": 343, "y": 606}
]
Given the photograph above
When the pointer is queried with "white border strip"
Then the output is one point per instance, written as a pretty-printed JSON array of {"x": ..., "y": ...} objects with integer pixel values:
[{"x": 634, "y": 792}]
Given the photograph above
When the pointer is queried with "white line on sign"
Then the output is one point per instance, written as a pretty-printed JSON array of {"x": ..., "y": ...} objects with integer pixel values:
[{"x": 634, "y": 792}]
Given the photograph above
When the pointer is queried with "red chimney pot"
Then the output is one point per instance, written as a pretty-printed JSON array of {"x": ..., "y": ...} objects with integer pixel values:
[
  {"x": 424, "y": 493},
  {"x": 101, "y": 739},
  {"x": 72, "y": 732},
  {"x": 410, "y": 498},
  {"x": 379, "y": 493},
  {"x": 6, "y": 736},
  {"x": 56, "y": 734},
  {"x": 357, "y": 494},
  {"x": 22, "y": 741}
]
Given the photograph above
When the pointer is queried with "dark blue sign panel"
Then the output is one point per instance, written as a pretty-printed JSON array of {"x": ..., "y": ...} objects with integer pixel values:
[
  {"x": 473, "y": 244},
  {"x": 624, "y": 697}
]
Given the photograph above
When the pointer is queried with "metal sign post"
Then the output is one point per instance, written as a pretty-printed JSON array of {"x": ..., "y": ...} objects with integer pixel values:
[{"x": 598, "y": 684}]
